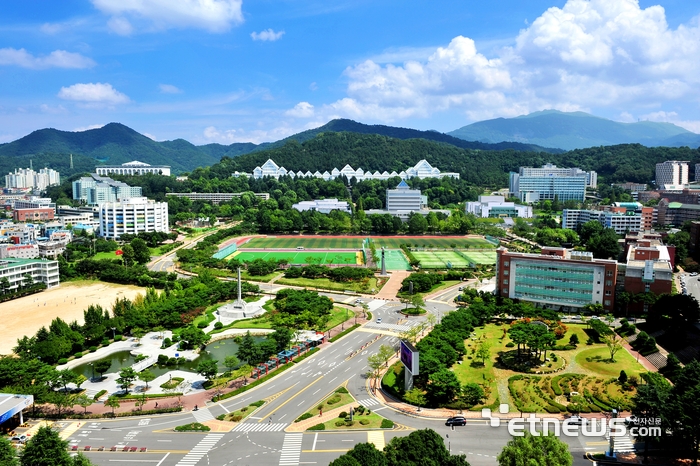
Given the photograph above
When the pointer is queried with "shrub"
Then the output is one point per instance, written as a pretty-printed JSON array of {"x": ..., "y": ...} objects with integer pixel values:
[
  {"x": 258, "y": 403},
  {"x": 364, "y": 422},
  {"x": 317, "y": 427},
  {"x": 333, "y": 400},
  {"x": 218, "y": 325},
  {"x": 104, "y": 342},
  {"x": 220, "y": 417},
  {"x": 340, "y": 423},
  {"x": 166, "y": 343},
  {"x": 162, "y": 359},
  {"x": 387, "y": 424},
  {"x": 99, "y": 394},
  {"x": 92, "y": 349},
  {"x": 343, "y": 415},
  {"x": 193, "y": 427},
  {"x": 171, "y": 362},
  {"x": 349, "y": 423},
  {"x": 510, "y": 344},
  {"x": 202, "y": 324},
  {"x": 236, "y": 418},
  {"x": 62, "y": 361},
  {"x": 118, "y": 337},
  {"x": 304, "y": 417},
  {"x": 78, "y": 355},
  {"x": 244, "y": 409},
  {"x": 341, "y": 390}
]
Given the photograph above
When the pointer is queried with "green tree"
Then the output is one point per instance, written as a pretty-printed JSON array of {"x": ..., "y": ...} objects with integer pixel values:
[
  {"x": 112, "y": 402},
  {"x": 345, "y": 460},
  {"x": 247, "y": 349},
  {"x": 83, "y": 401},
  {"x": 421, "y": 448},
  {"x": 483, "y": 351},
  {"x": 367, "y": 454},
  {"x": 7, "y": 453},
  {"x": 146, "y": 376},
  {"x": 81, "y": 460},
  {"x": 128, "y": 255},
  {"x": 103, "y": 366},
  {"x": 604, "y": 245},
  {"x": 443, "y": 386},
  {"x": 142, "y": 255},
  {"x": 573, "y": 340},
  {"x": 230, "y": 362},
  {"x": 208, "y": 369},
  {"x": 415, "y": 396},
  {"x": 471, "y": 394},
  {"x": 535, "y": 450},
  {"x": 126, "y": 378},
  {"x": 192, "y": 337},
  {"x": 28, "y": 280},
  {"x": 46, "y": 448},
  {"x": 4, "y": 285},
  {"x": 417, "y": 224},
  {"x": 613, "y": 343}
]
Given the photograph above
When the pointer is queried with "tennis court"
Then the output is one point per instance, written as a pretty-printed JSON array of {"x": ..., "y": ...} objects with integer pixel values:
[
  {"x": 440, "y": 259},
  {"x": 433, "y": 242},
  {"x": 481, "y": 257},
  {"x": 301, "y": 257},
  {"x": 308, "y": 242},
  {"x": 394, "y": 259}
]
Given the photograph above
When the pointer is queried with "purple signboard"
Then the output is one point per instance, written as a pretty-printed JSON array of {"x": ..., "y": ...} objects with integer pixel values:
[{"x": 409, "y": 357}]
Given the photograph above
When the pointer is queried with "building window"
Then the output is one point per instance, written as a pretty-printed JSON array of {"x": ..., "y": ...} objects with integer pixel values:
[
  {"x": 505, "y": 272},
  {"x": 608, "y": 292},
  {"x": 505, "y": 291},
  {"x": 506, "y": 263},
  {"x": 609, "y": 273},
  {"x": 608, "y": 282},
  {"x": 607, "y": 302},
  {"x": 505, "y": 281}
]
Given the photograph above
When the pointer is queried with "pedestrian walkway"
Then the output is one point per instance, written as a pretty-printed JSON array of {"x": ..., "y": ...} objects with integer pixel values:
[
  {"x": 368, "y": 402},
  {"x": 291, "y": 450},
  {"x": 199, "y": 450},
  {"x": 398, "y": 328},
  {"x": 377, "y": 438},
  {"x": 392, "y": 286},
  {"x": 203, "y": 415},
  {"x": 260, "y": 427}
]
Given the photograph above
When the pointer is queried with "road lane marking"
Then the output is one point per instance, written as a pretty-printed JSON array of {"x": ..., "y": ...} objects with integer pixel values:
[
  {"x": 291, "y": 398},
  {"x": 161, "y": 461},
  {"x": 313, "y": 447}
]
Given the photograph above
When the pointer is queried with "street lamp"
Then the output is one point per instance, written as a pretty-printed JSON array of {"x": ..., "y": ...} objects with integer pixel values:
[
  {"x": 113, "y": 329},
  {"x": 92, "y": 364}
]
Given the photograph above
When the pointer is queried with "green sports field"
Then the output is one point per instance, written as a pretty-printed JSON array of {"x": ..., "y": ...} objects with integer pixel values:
[
  {"x": 300, "y": 257},
  {"x": 481, "y": 257},
  {"x": 460, "y": 242},
  {"x": 440, "y": 259},
  {"x": 308, "y": 242}
]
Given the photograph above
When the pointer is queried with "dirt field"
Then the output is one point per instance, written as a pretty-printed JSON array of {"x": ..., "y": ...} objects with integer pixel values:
[{"x": 26, "y": 315}]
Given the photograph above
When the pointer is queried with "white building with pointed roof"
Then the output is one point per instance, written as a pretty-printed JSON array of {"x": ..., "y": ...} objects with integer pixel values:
[
  {"x": 132, "y": 168},
  {"x": 421, "y": 170}
]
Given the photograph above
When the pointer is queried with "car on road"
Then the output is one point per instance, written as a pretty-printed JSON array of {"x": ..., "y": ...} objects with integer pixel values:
[
  {"x": 631, "y": 420},
  {"x": 456, "y": 421},
  {"x": 379, "y": 320},
  {"x": 461, "y": 288},
  {"x": 19, "y": 438},
  {"x": 694, "y": 274},
  {"x": 575, "y": 420}
]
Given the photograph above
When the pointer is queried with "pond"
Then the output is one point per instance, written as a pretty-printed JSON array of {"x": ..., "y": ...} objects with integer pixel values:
[{"x": 217, "y": 350}]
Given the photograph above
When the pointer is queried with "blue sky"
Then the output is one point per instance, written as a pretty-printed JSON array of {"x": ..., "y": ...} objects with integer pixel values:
[{"x": 240, "y": 70}]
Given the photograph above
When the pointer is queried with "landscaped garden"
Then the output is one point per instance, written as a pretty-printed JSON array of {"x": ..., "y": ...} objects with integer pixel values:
[{"x": 361, "y": 418}]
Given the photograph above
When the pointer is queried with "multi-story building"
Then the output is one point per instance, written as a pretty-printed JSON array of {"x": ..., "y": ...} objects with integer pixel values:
[
  {"x": 556, "y": 278},
  {"x": 634, "y": 187},
  {"x": 132, "y": 168},
  {"x": 496, "y": 206},
  {"x": 216, "y": 198},
  {"x": 132, "y": 216},
  {"x": 324, "y": 206},
  {"x": 672, "y": 173},
  {"x": 648, "y": 269},
  {"x": 28, "y": 178},
  {"x": 32, "y": 215},
  {"x": 97, "y": 189},
  {"x": 551, "y": 182},
  {"x": 35, "y": 202},
  {"x": 19, "y": 251},
  {"x": 675, "y": 213},
  {"x": 403, "y": 198},
  {"x": 622, "y": 217},
  {"x": 421, "y": 170},
  {"x": 697, "y": 172},
  {"x": 51, "y": 249},
  {"x": 15, "y": 271}
]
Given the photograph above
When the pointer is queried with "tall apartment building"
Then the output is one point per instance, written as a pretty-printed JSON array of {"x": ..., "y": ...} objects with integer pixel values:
[
  {"x": 556, "y": 278},
  {"x": 97, "y": 189},
  {"x": 133, "y": 168},
  {"x": 550, "y": 182},
  {"x": 28, "y": 178},
  {"x": 132, "y": 216},
  {"x": 403, "y": 198},
  {"x": 44, "y": 271},
  {"x": 672, "y": 173}
]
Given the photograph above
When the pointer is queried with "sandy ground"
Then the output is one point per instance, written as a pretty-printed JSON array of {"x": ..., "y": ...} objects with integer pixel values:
[{"x": 25, "y": 316}]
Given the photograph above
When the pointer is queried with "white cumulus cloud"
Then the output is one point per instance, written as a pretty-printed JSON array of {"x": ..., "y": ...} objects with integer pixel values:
[
  {"x": 94, "y": 93},
  {"x": 88, "y": 127},
  {"x": 169, "y": 89},
  {"x": 229, "y": 136},
  {"x": 588, "y": 54},
  {"x": 268, "y": 35},
  {"x": 210, "y": 15},
  {"x": 56, "y": 59},
  {"x": 301, "y": 110}
]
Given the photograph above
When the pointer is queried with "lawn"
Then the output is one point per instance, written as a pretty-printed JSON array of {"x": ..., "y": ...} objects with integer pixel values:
[
  {"x": 597, "y": 360},
  {"x": 239, "y": 415},
  {"x": 309, "y": 242},
  {"x": 374, "y": 421},
  {"x": 106, "y": 255},
  {"x": 338, "y": 316},
  {"x": 327, "y": 284},
  {"x": 440, "y": 259},
  {"x": 441, "y": 242},
  {"x": 232, "y": 274},
  {"x": 301, "y": 257}
]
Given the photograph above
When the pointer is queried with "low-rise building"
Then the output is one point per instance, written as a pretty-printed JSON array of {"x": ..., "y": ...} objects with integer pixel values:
[
  {"x": 51, "y": 249},
  {"x": 32, "y": 215},
  {"x": 497, "y": 207},
  {"x": 215, "y": 198},
  {"x": 132, "y": 168},
  {"x": 557, "y": 278},
  {"x": 19, "y": 251},
  {"x": 15, "y": 270},
  {"x": 403, "y": 198},
  {"x": 324, "y": 206}
]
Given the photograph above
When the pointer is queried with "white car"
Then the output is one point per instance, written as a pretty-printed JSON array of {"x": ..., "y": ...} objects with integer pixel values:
[
  {"x": 632, "y": 420},
  {"x": 575, "y": 420},
  {"x": 379, "y": 320}
]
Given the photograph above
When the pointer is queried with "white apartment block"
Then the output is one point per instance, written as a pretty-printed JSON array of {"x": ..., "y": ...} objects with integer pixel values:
[
  {"x": 496, "y": 206},
  {"x": 28, "y": 178},
  {"x": 671, "y": 173},
  {"x": 19, "y": 251},
  {"x": 133, "y": 168},
  {"x": 97, "y": 189},
  {"x": 324, "y": 206},
  {"x": 551, "y": 182},
  {"x": 40, "y": 270},
  {"x": 132, "y": 216},
  {"x": 421, "y": 170},
  {"x": 403, "y": 198}
]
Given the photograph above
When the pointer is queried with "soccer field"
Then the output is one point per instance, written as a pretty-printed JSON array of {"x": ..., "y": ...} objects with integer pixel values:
[
  {"x": 308, "y": 242},
  {"x": 460, "y": 242},
  {"x": 301, "y": 257}
]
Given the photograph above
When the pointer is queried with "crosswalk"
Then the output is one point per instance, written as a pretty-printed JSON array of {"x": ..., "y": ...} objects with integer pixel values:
[
  {"x": 203, "y": 415},
  {"x": 368, "y": 402},
  {"x": 393, "y": 327},
  {"x": 623, "y": 444},
  {"x": 199, "y": 450},
  {"x": 291, "y": 450},
  {"x": 260, "y": 427}
]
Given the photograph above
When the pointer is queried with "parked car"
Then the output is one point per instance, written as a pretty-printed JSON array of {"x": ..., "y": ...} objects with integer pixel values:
[
  {"x": 461, "y": 288},
  {"x": 575, "y": 420},
  {"x": 456, "y": 421},
  {"x": 19, "y": 438}
]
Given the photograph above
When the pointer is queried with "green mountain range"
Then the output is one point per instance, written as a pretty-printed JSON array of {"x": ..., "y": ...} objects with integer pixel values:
[{"x": 575, "y": 130}]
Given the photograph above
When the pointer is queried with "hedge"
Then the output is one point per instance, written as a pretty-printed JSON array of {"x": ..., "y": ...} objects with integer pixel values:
[
  {"x": 100, "y": 394},
  {"x": 387, "y": 424},
  {"x": 343, "y": 333},
  {"x": 303, "y": 417},
  {"x": 317, "y": 427},
  {"x": 193, "y": 427}
]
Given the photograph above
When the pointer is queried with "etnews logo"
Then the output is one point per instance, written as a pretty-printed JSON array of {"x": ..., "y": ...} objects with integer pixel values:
[{"x": 574, "y": 426}]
